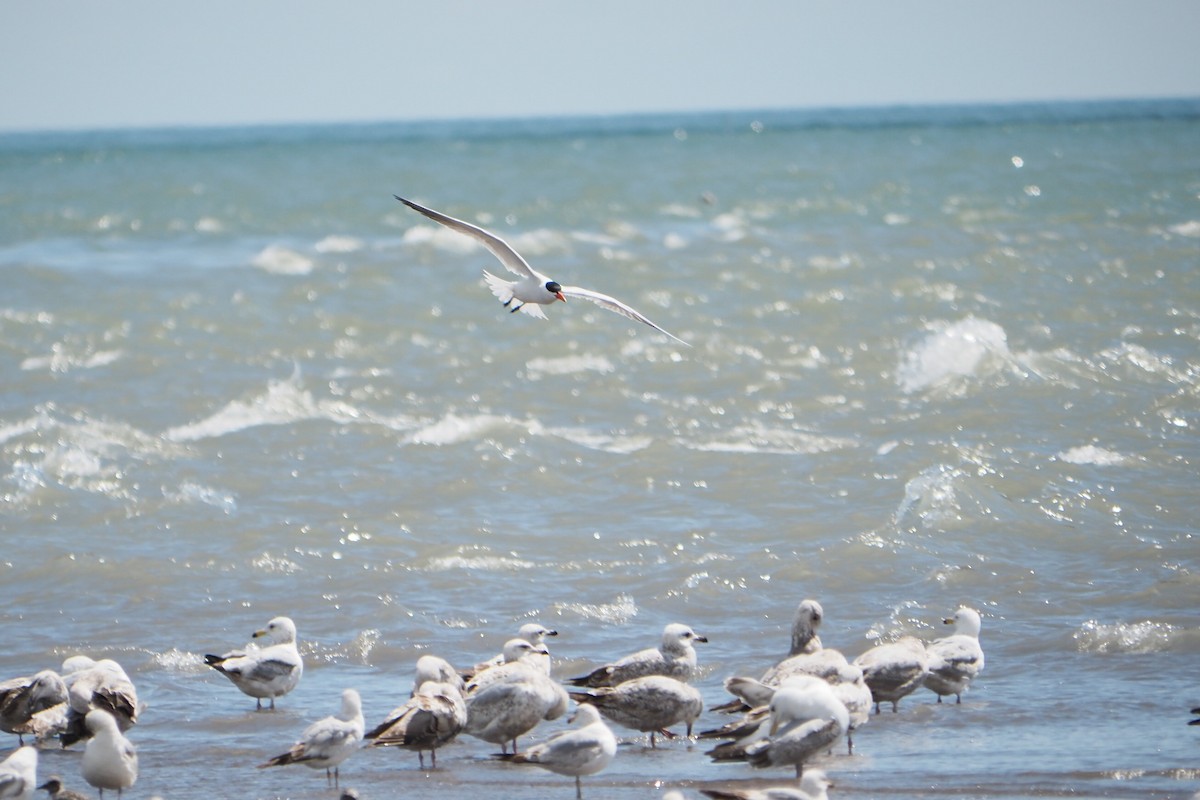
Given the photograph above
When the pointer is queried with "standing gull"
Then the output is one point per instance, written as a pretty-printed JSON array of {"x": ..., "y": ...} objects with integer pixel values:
[
  {"x": 533, "y": 632},
  {"x": 955, "y": 660},
  {"x": 533, "y": 289},
  {"x": 894, "y": 670},
  {"x": 804, "y": 718},
  {"x": 267, "y": 672},
  {"x": 651, "y": 703},
  {"x": 675, "y": 657},
  {"x": 22, "y": 698},
  {"x": 18, "y": 774},
  {"x": 97, "y": 685},
  {"x": 329, "y": 741},
  {"x": 432, "y": 717},
  {"x": 508, "y": 701},
  {"x": 806, "y": 656},
  {"x": 585, "y": 749},
  {"x": 109, "y": 761}
]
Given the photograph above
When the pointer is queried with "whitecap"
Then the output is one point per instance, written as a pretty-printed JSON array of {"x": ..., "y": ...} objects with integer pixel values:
[
  {"x": 1138, "y": 637},
  {"x": 566, "y": 365},
  {"x": 189, "y": 493},
  {"x": 758, "y": 439},
  {"x": 1191, "y": 228},
  {"x": 453, "y": 429},
  {"x": 617, "y": 612},
  {"x": 607, "y": 443},
  {"x": 967, "y": 348},
  {"x": 932, "y": 496},
  {"x": 280, "y": 260},
  {"x": 62, "y": 359},
  {"x": 482, "y": 563},
  {"x": 208, "y": 225},
  {"x": 1090, "y": 454},
  {"x": 339, "y": 244},
  {"x": 283, "y": 403}
]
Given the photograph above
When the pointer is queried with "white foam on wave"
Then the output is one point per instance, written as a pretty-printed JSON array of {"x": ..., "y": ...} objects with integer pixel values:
[
  {"x": 1191, "y": 228},
  {"x": 618, "y": 612},
  {"x": 80, "y": 454},
  {"x": 1121, "y": 637},
  {"x": 567, "y": 365},
  {"x": 620, "y": 444},
  {"x": 280, "y": 260},
  {"x": 63, "y": 359},
  {"x": 339, "y": 244},
  {"x": 284, "y": 402},
  {"x": 932, "y": 497},
  {"x": 970, "y": 347},
  {"x": 1090, "y": 454},
  {"x": 755, "y": 438},
  {"x": 189, "y": 493},
  {"x": 454, "y": 429}
]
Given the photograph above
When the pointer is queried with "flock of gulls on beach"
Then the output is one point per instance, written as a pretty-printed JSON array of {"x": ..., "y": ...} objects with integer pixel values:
[{"x": 796, "y": 711}]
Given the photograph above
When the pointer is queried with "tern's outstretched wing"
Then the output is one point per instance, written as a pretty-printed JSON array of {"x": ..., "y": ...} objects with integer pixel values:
[
  {"x": 497, "y": 246},
  {"x": 613, "y": 304}
]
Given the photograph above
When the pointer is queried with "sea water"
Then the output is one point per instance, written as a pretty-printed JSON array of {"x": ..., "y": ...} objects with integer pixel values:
[{"x": 938, "y": 357}]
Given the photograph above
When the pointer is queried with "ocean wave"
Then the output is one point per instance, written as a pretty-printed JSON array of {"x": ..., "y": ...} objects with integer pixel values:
[
  {"x": 65, "y": 359},
  {"x": 339, "y": 244},
  {"x": 932, "y": 497},
  {"x": 1090, "y": 454},
  {"x": 621, "y": 444},
  {"x": 79, "y": 454},
  {"x": 618, "y": 612},
  {"x": 1094, "y": 636},
  {"x": 953, "y": 352},
  {"x": 280, "y": 260},
  {"x": 758, "y": 439},
  {"x": 283, "y": 403},
  {"x": 567, "y": 365},
  {"x": 189, "y": 493}
]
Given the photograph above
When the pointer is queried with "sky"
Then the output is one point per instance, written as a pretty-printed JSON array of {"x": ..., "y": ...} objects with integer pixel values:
[{"x": 82, "y": 64}]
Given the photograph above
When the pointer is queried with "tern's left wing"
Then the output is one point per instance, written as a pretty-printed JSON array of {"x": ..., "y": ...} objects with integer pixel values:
[
  {"x": 613, "y": 304},
  {"x": 497, "y": 246}
]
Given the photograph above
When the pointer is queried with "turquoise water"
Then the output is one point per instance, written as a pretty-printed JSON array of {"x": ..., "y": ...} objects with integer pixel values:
[{"x": 939, "y": 356}]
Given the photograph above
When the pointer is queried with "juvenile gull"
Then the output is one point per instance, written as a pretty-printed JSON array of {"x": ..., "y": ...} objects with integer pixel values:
[
  {"x": 508, "y": 701},
  {"x": 585, "y": 749},
  {"x": 18, "y": 774},
  {"x": 432, "y": 716},
  {"x": 22, "y": 698},
  {"x": 327, "y": 742},
  {"x": 804, "y": 718},
  {"x": 847, "y": 685},
  {"x": 675, "y": 657},
  {"x": 894, "y": 670},
  {"x": 266, "y": 672},
  {"x": 813, "y": 786},
  {"x": 955, "y": 660},
  {"x": 533, "y": 289},
  {"x": 109, "y": 761},
  {"x": 97, "y": 685},
  {"x": 517, "y": 656},
  {"x": 651, "y": 703},
  {"x": 533, "y": 632},
  {"x": 54, "y": 786},
  {"x": 806, "y": 656}
]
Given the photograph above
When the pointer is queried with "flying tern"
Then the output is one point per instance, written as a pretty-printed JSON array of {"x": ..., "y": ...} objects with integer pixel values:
[{"x": 532, "y": 290}]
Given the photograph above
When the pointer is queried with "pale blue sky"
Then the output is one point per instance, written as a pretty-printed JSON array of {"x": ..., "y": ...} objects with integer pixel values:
[{"x": 85, "y": 64}]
